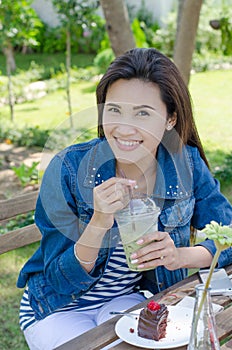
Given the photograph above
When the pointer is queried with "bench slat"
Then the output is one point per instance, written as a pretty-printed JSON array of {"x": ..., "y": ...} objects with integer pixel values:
[
  {"x": 19, "y": 238},
  {"x": 18, "y": 205}
]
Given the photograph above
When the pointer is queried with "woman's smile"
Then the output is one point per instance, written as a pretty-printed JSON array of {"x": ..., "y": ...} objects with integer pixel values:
[{"x": 127, "y": 145}]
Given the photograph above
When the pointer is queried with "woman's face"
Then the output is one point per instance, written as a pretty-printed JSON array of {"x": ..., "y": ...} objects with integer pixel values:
[{"x": 134, "y": 119}]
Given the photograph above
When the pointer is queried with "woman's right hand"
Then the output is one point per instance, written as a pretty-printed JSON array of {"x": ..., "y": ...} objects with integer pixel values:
[{"x": 109, "y": 197}]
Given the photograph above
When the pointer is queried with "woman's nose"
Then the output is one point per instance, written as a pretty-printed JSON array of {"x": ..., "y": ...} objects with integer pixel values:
[{"x": 126, "y": 129}]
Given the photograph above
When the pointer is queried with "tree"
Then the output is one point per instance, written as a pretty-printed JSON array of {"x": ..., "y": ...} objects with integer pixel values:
[
  {"x": 118, "y": 26},
  {"x": 72, "y": 13},
  {"x": 19, "y": 25},
  {"x": 187, "y": 24}
]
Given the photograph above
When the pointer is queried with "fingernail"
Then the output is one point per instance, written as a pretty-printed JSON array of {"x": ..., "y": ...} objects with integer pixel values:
[
  {"x": 140, "y": 241},
  {"x": 134, "y": 255},
  {"x": 141, "y": 266},
  {"x": 134, "y": 261},
  {"x": 132, "y": 182}
]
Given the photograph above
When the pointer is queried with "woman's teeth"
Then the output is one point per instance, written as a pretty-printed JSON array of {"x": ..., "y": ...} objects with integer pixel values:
[{"x": 128, "y": 143}]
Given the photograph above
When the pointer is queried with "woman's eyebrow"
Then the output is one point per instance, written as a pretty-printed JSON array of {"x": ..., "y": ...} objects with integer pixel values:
[
  {"x": 144, "y": 106},
  {"x": 110, "y": 104}
]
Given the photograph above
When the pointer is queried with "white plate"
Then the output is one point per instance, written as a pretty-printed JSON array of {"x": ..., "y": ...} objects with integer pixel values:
[{"x": 178, "y": 329}]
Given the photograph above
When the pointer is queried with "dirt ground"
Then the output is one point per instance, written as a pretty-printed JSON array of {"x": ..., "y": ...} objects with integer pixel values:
[{"x": 14, "y": 156}]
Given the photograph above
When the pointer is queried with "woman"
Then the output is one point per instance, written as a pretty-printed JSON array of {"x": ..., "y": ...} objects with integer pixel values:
[{"x": 147, "y": 143}]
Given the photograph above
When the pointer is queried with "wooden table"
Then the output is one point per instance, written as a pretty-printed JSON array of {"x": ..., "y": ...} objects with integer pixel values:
[{"x": 104, "y": 334}]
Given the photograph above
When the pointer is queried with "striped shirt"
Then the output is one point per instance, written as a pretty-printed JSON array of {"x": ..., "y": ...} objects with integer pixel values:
[{"x": 117, "y": 280}]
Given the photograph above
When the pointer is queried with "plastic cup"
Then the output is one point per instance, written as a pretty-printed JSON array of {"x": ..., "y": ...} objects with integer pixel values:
[{"x": 137, "y": 219}]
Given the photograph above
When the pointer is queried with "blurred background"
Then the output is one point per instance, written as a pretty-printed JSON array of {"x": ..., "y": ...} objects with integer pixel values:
[{"x": 53, "y": 53}]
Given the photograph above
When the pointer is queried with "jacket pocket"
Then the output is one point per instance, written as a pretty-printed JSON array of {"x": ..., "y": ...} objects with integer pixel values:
[
  {"x": 176, "y": 219},
  {"x": 178, "y": 214}
]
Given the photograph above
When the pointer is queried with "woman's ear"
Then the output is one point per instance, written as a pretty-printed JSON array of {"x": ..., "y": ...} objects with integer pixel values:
[{"x": 171, "y": 122}]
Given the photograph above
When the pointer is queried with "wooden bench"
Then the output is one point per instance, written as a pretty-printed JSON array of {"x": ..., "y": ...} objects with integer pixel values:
[{"x": 22, "y": 236}]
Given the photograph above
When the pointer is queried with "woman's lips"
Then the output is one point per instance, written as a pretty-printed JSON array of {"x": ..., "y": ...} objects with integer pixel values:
[{"x": 127, "y": 145}]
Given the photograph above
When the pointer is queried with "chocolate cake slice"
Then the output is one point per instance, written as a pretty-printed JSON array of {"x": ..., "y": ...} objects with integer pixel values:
[{"x": 152, "y": 321}]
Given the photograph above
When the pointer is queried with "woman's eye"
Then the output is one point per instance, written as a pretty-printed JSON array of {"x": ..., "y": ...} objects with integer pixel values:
[
  {"x": 143, "y": 114},
  {"x": 113, "y": 110}
]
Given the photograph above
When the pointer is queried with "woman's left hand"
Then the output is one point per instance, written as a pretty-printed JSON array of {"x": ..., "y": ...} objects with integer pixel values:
[{"x": 157, "y": 249}]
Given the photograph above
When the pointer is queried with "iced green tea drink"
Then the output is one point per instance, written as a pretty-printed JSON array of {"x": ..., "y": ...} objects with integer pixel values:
[{"x": 134, "y": 221}]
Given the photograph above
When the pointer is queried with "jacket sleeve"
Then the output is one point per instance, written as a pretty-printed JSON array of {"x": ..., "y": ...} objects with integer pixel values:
[
  {"x": 56, "y": 216},
  {"x": 210, "y": 205}
]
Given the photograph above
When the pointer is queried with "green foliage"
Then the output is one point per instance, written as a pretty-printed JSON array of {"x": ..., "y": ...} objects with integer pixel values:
[
  {"x": 224, "y": 172},
  {"x": 103, "y": 59},
  {"x": 19, "y": 23},
  {"x": 210, "y": 61},
  {"x": 51, "y": 39},
  {"x": 18, "y": 222},
  {"x": 221, "y": 234},
  {"x": 37, "y": 137},
  {"x": 60, "y": 139},
  {"x": 164, "y": 38},
  {"x": 75, "y": 13},
  {"x": 27, "y": 136},
  {"x": 146, "y": 22},
  {"x": 28, "y": 175},
  {"x": 44, "y": 66},
  {"x": 207, "y": 39},
  {"x": 226, "y": 34},
  {"x": 144, "y": 15},
  {"x": 85, "y": 38},
  {"x": 139, "y": 35},
  {"x": 92, "y": 35}
]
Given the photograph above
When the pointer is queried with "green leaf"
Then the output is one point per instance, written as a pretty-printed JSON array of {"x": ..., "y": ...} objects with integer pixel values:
[{"x": 221, "y": 234}]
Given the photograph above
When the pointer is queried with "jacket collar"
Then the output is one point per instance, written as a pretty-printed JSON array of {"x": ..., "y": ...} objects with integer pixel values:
[
  {"x": 174, "y": 175},
  {"x": 101, "y": 164}
]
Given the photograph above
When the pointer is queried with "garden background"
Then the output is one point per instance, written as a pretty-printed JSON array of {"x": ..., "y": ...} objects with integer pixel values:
[{"x": 46, "y": 83}]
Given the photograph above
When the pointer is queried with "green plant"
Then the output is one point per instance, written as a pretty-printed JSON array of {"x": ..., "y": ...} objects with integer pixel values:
[
  {"x": 222, "y": 237},
  {"x": 27, "y": 136},
  {"x": 17, "y": 222},
  {"x": 224, "y": 172},
  {"x": 164, "y": 38},
  {"x": 103, "y": 59},
  {"x": 139, "y": 35},
  {"x": 226, "y": 34},
  {"x": 27, "y": 174}
]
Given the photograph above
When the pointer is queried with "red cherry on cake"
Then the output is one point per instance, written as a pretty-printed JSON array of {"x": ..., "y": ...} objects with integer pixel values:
[{"x": 153, "y": 306}]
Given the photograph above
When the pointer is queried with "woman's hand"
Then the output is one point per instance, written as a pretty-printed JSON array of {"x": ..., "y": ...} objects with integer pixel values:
[
  {"x": 159, "y": 250},
  {"x": 109, "y": 197}
]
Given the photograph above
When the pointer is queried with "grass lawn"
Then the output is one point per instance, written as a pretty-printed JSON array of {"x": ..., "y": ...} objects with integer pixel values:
[
  {"x": 211, "y": 93},
  {"x": 11, "y": 338},
  {"x": 52, "y": 110},
  {"x": 23, "y": 62}
]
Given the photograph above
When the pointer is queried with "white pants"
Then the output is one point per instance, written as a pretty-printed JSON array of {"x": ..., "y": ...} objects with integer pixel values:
[{"x": 58, "y": 328}]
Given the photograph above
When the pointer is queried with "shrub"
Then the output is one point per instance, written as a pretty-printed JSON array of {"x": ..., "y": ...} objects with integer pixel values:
[
  {"x": 224, "y": 172},
  {"x": 103, "y": 59},
  {"x": 28, "y": 136}
]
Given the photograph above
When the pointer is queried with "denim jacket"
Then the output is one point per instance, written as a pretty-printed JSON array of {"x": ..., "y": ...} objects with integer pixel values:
[{"x": 185, "y": 191}]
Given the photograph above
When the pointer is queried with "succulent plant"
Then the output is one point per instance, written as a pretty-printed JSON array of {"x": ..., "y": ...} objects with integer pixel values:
[{"x": 222, "y": 237}]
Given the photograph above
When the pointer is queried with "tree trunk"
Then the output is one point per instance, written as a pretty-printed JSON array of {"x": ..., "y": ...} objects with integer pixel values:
[
  {"x": 118, "y": 26},
  {"x": 10, "y": 65},
  {"x": 188, "y": 18},
  {"x": 68, "y": 66},
  {"x": 9, "y": 53}
]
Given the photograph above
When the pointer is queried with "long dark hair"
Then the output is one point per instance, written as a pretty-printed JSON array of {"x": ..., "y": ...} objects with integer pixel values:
[{"x": 152, "y": 66}]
